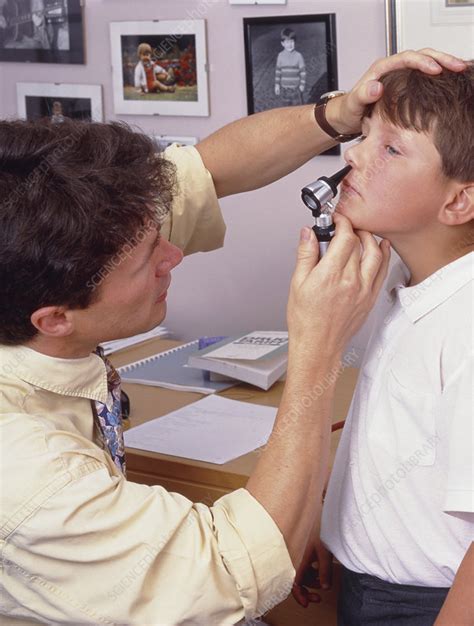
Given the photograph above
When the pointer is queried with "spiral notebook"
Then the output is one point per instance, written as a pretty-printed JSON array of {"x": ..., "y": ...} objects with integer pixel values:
[{"x": 169, "y": 370}]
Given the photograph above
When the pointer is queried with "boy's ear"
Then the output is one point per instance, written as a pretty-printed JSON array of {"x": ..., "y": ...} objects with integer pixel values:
[
  {"x": 53, "y": 321},
  {"x": 459, "y": 208}
]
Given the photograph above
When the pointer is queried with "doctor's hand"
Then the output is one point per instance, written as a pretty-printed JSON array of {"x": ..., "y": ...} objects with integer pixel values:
[
  {"x": 344, "y": 113},
  {"x": 330, "y": 299},
  {"x": 314, "y": 572}
]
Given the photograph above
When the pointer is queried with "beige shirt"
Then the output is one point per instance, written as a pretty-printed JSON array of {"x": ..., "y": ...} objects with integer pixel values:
[
  {"x": 82, "y": 545},
  {"x": 195, "y": 223}
]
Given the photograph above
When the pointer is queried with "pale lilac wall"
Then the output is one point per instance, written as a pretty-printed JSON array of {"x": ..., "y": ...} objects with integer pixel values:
[{"x": 244, "y": 285}]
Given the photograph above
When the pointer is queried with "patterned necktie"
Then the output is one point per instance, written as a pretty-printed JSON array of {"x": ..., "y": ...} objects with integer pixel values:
[{"x": 109, "y": 415}]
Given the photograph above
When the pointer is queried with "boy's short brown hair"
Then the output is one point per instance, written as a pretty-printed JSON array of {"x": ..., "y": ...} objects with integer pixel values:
[
  {"x": 288, "y": 33},
  {"x": 144, "y": 47},
  {"x": 442, "y": 104}
]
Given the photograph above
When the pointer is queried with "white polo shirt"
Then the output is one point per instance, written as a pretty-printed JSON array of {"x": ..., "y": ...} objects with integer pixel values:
[{"x": 400, "y": 500}]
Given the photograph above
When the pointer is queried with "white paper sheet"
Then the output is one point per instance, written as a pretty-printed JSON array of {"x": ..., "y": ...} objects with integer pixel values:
[
  {"x": 118, "y": 344},
  {"x": 213, "y": 429}
]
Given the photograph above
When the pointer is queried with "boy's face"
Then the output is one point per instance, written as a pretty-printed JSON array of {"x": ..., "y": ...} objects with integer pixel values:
[
  {"x": 288, "y": 44},
  {"x": 396, "y": 185},
  {"x": 145, "y": 57}
]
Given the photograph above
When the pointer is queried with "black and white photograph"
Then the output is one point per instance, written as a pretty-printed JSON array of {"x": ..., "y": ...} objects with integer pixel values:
[
  {"x": 290, "y": 60},
  {"x": 58, "y": 102},
  {"x": 160, "y": 67},
  {"x": 41, "y": 31}
]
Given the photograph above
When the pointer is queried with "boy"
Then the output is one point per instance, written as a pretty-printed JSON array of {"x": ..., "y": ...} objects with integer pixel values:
[
  {"x": 57, "y": 115},
  {"x": 399, "y": 510},
  {"x": 290, "y": 71},
  {"x": 149, "y": 76}
]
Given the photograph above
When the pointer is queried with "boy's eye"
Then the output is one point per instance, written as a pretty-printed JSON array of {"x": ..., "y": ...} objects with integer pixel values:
[
  {"x": 361, "y": 138},
  {"x": 391, "y": 150}
]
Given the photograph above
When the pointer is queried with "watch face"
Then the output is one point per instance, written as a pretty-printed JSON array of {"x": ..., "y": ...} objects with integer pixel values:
[{"x": 331, "y": 94}]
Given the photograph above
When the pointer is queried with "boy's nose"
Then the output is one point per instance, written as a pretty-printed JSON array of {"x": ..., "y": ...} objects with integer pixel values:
[{"x": 352, "y": 156}]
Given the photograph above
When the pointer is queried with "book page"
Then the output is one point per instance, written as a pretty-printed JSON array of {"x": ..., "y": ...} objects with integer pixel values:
[
  {"x": 251, "y": 346},
  {"x": 213, "y": 429}
]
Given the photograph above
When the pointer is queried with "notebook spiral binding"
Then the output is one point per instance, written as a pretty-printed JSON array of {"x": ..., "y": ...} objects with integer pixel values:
[{"x": 131, "y": 366}]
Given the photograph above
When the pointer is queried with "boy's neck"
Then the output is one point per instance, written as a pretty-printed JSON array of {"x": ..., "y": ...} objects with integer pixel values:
[{"x": 425, "y": 253}]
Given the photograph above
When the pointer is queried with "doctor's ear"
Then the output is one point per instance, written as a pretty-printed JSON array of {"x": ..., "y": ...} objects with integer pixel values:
[{"x": 53, "y": 321}]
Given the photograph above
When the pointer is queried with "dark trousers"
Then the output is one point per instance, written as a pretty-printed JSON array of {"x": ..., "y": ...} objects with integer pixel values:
[{"x": 368, "y": 601}]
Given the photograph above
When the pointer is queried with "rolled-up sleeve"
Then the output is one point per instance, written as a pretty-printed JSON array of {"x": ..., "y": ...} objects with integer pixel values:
[
  {"x": 195, "y": 222},
  {"x": 97, "y": 549}
]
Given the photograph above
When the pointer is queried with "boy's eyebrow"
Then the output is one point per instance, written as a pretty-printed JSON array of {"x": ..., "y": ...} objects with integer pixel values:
[{"x": 365, "y": 120}]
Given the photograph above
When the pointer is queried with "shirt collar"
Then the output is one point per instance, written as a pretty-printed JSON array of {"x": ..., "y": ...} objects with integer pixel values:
[
  {"x": 84, "y": 378},
  {"x": 423, "y": 298}
]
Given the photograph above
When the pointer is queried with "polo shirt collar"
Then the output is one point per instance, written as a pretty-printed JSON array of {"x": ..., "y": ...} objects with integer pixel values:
[
  {"x": 84, "y": 378},
  {"x": 421, "y": 299}
]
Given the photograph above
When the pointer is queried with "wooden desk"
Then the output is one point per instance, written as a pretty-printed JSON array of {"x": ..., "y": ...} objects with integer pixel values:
[{"x": 205, "y": 482}]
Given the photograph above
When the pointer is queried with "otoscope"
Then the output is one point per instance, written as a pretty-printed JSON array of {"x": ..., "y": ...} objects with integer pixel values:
[{"x": 317, "y": 196}]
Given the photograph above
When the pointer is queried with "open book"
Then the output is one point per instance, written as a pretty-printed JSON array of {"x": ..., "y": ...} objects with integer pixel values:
[{"x": 259, "y": 358}]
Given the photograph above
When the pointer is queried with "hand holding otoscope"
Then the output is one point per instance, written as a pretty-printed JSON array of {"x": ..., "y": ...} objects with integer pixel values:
[{"x": 317, "y": 196}]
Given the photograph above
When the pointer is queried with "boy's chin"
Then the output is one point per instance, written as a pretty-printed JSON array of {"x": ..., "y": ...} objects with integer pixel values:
[
  {"x": 356, "y": 219},
  {"x": 351, "y": 214}
]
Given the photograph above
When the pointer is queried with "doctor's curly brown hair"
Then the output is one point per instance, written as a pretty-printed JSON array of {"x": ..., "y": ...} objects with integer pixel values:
[{"x": 71, "y": 195}]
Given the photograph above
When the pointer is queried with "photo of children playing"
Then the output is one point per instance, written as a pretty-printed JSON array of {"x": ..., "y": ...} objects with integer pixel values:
[{"x": 159, "y": 67}]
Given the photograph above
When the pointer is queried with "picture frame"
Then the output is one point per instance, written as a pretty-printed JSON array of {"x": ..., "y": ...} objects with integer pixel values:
[
  {"x": 279, "y": 73},
  {"x": 59, "y": 100},
  {"x": 170, "y": 77},
  {"x": 42, "y": 31},
  {"x": 445, "y": 25},
  {"x": 163, "y": 141}
]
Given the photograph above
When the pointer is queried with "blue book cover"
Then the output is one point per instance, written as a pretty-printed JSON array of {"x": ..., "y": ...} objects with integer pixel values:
[{"x": 169, "y": 369}]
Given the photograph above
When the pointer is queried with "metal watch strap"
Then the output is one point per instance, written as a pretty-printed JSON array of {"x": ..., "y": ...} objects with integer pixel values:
[{"x": 320, "y": 116}]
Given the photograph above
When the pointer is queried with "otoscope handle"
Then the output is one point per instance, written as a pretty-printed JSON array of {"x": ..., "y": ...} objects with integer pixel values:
[
  {"x": 324, "y": 237},
  {"x": 324, "y": 230}
]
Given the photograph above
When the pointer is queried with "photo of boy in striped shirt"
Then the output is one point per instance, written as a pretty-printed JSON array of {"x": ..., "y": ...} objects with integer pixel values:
[{"x": 290, "y": 71}]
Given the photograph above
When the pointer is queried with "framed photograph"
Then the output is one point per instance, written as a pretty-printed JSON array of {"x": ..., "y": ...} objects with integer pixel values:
[
  {"x": 290, "y": 60},
  {"x": 446, "y": 25},
  {"x": 41, "y": 31},
  {"x": 58, "y": 101},
  {"x": 160, "y": 67},
  {"x": 163, "y": 141}
]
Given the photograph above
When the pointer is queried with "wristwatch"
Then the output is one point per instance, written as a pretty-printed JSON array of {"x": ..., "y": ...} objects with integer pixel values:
[{"x": 320, "y": 116}]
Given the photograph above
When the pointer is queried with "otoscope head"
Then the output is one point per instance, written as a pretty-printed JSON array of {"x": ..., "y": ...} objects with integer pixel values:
[
  {"x": 317, "y": 194},
  {"x": 338, "y": 176}
]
